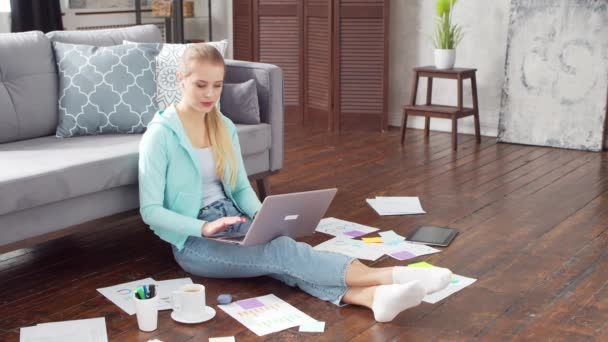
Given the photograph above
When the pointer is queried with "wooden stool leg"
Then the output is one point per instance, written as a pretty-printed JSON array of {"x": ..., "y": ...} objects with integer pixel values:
[
  {"x": 454, "y": 132},
  {"x": 403, "y": 126},
  {"x": 429, "y": 101},
  {"x": 476, "y": 108}
]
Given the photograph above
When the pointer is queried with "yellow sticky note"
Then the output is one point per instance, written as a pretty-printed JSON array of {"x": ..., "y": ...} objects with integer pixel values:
[
  {"x": 422, "y": 264},
  {"x": 372, "y": 240}
]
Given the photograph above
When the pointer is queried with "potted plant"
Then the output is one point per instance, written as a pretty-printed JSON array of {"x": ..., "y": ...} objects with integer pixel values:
[{"x": 447, "y": 35}]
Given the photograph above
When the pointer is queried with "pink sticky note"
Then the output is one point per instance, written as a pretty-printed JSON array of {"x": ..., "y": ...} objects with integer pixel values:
[{"x": 250, "y": 303}]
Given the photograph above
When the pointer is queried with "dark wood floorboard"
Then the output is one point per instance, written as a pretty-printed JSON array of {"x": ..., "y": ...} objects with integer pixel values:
[{"x": 533, "y": 228}]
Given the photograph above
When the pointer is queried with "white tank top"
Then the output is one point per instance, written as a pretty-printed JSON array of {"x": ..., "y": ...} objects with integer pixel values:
[{"x": 212, "y": 185}]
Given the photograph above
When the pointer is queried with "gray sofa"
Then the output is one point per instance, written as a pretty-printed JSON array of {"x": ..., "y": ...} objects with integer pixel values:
[{"x": 49, "y": 184}]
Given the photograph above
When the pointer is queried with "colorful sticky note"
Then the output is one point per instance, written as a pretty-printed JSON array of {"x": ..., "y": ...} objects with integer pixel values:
[
  {"x": 372, "y": 240},
  {"x": 315, "y": 326},
  {"x": 421, "y": 264},
  {"x": 403, "y": 255},
  {"x": 250, "y": 303},
  {"x": 355, "y": 233}
]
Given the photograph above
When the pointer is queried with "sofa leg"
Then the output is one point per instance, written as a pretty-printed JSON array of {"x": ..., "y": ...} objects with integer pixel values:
[{"x": 262, "y": 184}]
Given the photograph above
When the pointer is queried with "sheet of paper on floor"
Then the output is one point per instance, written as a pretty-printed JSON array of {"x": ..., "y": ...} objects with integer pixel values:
[
  {"x": 222, "y": 339},
  {"x": 407, "y": 250},
  {"x": 122, "y": 294},
  {"x": 390, "y": 237},
  {"x": 266, "y": 314},
  {"x": 341, "y": 228},
  {"x": 82, "y": 330},
  {"x": 458, "y": 283},
  {"x": 353, "y": 248},
  {"x": 396, "y": 205},
  {"x": 312, "y": 327},
  {"x": 165, "y": 288}
]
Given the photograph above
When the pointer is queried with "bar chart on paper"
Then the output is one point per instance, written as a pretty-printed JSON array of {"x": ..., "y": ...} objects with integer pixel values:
[{"x": 266, "y": 314}]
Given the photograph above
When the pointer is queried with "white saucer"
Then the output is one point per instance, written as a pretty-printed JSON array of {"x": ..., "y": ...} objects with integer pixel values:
[{"x": 205, "y": 316}]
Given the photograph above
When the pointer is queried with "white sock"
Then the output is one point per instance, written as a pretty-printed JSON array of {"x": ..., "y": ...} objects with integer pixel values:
[
  {"x": 433, "y": 279},
  {"x": 390, "y": 300}
]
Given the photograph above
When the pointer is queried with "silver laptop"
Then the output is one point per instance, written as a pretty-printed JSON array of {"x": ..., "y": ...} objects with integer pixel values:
[{"x": 294, "y": 215}]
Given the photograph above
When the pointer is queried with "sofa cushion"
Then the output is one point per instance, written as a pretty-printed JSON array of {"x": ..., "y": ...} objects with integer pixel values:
[
  {"x": 240, "y": 102},
  {"x": 253, "y": 138},
  {"x": 109, "y": 89},
  {"x": 44, "y": 170},
  {"x": 141, "y": 33},
  {"x": 28, "y": 86}
]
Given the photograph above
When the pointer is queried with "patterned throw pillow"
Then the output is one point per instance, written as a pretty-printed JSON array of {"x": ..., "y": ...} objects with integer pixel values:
[
  {"x": 108, "y": 89},
  {"x": 167, "y": 64}
]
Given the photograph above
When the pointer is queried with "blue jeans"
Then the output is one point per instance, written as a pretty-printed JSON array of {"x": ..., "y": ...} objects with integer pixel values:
[{"x": 321, "y": 274}]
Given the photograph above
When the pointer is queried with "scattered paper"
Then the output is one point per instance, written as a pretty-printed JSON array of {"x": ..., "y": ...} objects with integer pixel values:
[
  {"x": 396, "y": 205},
  {"x": 165, "y": 288},
  {"x": 341, "y": 228},
  {"x": 222, "y": 339},
  {"x": 458, "y": 283},
  {"x": 82, "y": 330},
  {"x": 349, "y": 247},
  {"x": 372, "y": 249},
  {"x": 407, "y": 250},
  {"x": 313, "y": 327},
  {"x": 372, "y": 240},
  {"x": 274, "y": 314},
  {"x": 390, "y": 237},
  {"x": 122, "y": 294}
]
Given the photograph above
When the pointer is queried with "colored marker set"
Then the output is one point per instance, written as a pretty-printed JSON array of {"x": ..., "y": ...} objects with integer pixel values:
[{"x": 145, "y": 292}]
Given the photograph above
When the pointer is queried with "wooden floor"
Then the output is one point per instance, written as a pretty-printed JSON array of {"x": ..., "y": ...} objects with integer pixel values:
[{"x": 533, "y": 224}]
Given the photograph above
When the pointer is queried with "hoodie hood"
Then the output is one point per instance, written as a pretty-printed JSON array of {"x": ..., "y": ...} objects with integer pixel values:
[{"x": 169, "y": 118}]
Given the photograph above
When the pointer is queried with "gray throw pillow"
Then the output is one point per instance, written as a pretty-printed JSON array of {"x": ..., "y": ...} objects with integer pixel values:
[
  {"x": 108, "y": 89},
  {"x": 240, "y": 102}
]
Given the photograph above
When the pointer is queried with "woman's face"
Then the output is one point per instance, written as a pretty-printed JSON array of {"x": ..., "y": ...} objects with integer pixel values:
[{"x": 202, "y": 88}]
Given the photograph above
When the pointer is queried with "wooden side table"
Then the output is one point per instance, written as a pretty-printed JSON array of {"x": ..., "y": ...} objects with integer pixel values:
[{"x": 429, "y": 110}]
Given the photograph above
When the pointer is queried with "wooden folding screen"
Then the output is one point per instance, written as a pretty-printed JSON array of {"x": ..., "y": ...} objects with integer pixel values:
[
  {"x": 361, "y": 59},
  {"x": 334, "y": 55}
]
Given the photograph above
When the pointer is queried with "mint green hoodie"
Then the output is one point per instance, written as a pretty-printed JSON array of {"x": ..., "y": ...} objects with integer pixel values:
[{"x": 170, "y": 182}]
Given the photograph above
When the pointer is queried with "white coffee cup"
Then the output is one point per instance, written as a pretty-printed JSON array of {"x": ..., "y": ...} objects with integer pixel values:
[
  {"x": 189, "y": 301},
  {"x": 147, "y": 313}
]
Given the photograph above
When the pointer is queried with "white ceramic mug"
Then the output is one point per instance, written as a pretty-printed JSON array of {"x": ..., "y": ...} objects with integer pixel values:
[
  {"x": 147, "y": 313},
  {"x": 189, "y": 301}
]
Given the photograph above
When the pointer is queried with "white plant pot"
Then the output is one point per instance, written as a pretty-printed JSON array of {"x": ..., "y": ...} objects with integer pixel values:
[{"x": 444, "y": 59}]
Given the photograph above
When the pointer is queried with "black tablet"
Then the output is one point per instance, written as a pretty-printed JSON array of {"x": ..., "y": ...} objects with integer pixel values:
[{"x": 434, "y": 236}]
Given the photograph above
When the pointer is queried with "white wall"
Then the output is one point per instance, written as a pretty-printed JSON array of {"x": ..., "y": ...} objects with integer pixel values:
[
  {"x": 5, "y": 16},
  {"x": 483, "y": 48},
  {"x": 222, "y": 22},
  {"x": 5, "y": 22}
]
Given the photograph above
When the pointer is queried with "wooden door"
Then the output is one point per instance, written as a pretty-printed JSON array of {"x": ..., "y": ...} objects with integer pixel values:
[
  {"x": 361, "y": 61},
  {"x": 318, "y": 63}
]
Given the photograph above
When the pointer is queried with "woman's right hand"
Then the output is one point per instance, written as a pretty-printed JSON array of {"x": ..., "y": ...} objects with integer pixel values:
[{"x": 214, "y": 227}]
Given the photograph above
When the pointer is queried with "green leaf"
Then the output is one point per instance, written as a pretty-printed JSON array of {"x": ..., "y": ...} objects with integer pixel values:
[{"x": 444, "y": 6}]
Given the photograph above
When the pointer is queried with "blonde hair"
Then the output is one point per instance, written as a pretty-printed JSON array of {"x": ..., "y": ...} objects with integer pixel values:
[{"x": 215, "y": 128}]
